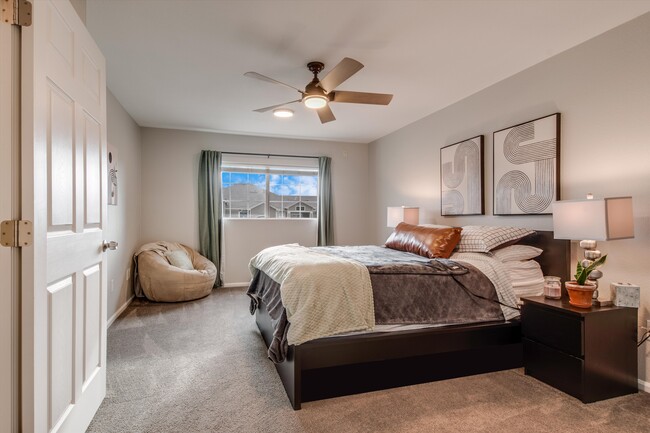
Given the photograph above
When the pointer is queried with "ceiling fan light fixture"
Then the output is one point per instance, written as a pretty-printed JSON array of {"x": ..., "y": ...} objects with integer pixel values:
[
  {"x": 315, "y": 101},
  {"x": 283, "y": 112},
  {"x": 319, "y": 93}
]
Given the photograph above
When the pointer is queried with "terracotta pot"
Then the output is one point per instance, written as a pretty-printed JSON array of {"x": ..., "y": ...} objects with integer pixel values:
[{"x": 580, "y": 296}]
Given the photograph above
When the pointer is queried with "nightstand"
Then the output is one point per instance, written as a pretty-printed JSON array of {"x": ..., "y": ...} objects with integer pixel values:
[{"x": 589, "y": 353}]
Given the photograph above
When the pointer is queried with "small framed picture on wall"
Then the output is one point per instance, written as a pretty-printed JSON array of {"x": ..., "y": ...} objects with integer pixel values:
[
  {"x": 461, "y": 178},
  {"x": 112, "y": 175},
  {"x": 527, "y": 167}
]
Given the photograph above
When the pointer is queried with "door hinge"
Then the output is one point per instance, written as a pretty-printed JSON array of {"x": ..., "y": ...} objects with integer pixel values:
[
  {"x": 16, "y": 233},
  {"x": 18, "y": 12}
]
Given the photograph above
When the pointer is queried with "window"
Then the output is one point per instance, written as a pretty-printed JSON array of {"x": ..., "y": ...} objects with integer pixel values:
[{"x": 268, "y": 191}]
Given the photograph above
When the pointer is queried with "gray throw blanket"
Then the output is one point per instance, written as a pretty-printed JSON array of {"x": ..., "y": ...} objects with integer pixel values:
[{"x": 264, "y": 289}]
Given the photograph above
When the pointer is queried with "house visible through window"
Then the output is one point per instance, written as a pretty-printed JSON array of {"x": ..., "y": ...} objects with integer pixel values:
[{"x": 254, "y": 191}]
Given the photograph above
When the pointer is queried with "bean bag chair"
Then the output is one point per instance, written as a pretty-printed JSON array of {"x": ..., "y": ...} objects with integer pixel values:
[{"x": 172, "y": 272}]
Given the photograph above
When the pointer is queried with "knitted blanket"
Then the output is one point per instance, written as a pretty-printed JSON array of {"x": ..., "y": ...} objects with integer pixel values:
[{"x": 323, "y": 295}]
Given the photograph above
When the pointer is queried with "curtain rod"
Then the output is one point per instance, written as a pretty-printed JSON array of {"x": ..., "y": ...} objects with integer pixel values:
[{"x": 268, "y": 155}]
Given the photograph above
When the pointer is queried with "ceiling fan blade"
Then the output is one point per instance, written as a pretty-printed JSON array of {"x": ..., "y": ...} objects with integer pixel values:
[
  {"x": 269, "y": 79},
  {"x": 265, "y": 109},
  {"x": 362, "y": 97},
  {"x": 325, "y": 114},
  {"x": 341, "y": 72}
]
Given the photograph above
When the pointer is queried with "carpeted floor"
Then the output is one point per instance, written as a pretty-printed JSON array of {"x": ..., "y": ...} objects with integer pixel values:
[{"x": 201, "y": 367}]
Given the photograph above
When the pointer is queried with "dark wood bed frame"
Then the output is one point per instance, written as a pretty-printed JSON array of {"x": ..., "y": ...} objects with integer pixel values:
[{"x": 336, "y": 366}]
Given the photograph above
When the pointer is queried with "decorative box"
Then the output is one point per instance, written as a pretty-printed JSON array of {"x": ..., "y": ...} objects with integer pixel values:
[{"x": 625, "y": 294}]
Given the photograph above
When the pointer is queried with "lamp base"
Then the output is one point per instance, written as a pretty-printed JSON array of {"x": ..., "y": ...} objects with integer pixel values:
[{"x": 591, "y": 255}]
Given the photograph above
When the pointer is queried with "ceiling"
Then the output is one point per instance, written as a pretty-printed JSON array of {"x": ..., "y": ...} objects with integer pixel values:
[{"x": 180, "y": 64}]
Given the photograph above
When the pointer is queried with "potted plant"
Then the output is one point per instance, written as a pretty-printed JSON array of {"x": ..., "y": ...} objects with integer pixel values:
[{"x": 581, "y": 290}]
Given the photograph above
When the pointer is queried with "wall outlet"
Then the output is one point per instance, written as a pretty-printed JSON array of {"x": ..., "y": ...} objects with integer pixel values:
[
  {"x": 128, "y": 273},
  {"x": 112, "y": 285}
]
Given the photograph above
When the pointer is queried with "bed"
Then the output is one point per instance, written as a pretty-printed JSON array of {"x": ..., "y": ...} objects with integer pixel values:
[{"x": 362, "y": 362}]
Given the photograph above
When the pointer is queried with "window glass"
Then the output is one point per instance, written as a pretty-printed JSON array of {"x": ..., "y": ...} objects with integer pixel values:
[{"x": 269, "y": 192}]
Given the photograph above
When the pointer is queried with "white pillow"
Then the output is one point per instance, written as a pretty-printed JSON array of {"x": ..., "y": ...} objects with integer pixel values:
[
  {"x": 526, "y": 276},
  {"x": 483, "y": 239},
  {"x": 529, "y": 288},
  {"x": 513, "y": 253},
  {"x": 523, "y": 271},
  {"x": 180, "y": 259}
]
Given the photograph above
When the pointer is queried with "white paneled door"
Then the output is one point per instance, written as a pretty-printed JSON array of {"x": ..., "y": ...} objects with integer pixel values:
[{"x": 64, "y": 193}]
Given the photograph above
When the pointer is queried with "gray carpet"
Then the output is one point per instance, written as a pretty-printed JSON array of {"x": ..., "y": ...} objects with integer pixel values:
[{"x": 201, "y": 366}]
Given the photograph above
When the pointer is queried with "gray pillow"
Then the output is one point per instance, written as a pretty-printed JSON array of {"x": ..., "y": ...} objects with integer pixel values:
[{"x": 180, "y": 259}]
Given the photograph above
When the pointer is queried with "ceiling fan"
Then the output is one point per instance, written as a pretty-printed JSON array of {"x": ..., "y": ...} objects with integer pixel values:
[{"x": 319, "y": 93}]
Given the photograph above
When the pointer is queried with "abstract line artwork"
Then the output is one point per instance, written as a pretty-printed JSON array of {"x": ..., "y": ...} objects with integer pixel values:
[
  {"x": 461, "y": 178},
  {"x": 527, "y": 167},
  {"x": 112, "y": 175}
]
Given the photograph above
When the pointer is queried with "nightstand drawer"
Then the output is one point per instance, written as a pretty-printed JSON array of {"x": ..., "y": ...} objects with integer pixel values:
[
  {"x": 559, "y": 331},
  {"x": 555, "y": 368}
]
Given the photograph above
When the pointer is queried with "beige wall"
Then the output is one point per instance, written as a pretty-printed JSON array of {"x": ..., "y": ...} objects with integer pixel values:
[
  {"x": 124, "y": 219},
  {"x": 170, "y": 160},
  {"x": 602, "y": 90}
]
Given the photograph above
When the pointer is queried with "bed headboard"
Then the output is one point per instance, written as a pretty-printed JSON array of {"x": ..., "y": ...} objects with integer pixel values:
[{"x": 556, "y": 258}]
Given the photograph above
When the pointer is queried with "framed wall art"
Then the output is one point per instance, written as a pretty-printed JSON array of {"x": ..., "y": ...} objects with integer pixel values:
[
  {"x": 112, "y": 175},
  {"x": 527, "y": 167},
  {"x": 461, "y": 178}
]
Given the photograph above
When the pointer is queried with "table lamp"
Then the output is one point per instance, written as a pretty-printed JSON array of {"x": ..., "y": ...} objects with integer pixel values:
[
  {"x": 398, "y": 214},
  {"x": 593, "y": 220}
]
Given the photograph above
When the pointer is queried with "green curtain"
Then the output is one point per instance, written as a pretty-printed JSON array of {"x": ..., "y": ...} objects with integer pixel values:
[
  {"x": 210, "y": 208},
  {"x": 325, "y": 232}
]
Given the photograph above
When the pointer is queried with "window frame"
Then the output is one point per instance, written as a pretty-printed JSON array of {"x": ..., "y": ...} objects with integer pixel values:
[{"x": 268, "y": 171}]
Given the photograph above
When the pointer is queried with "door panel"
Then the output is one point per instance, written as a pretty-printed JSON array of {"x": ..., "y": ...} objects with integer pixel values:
[
  {"x": 64, "y": 134},
  {"x": 61, "y": 37},
  {"x": 93, "y": 169},
  {"x": 61, "y": 159},
  {"x": 61, "y": 347},
  {"x": 92, "y": 79},
  {"x": 92, "y": 326}
]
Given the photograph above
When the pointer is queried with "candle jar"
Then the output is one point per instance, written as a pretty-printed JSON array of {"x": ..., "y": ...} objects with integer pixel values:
[{"x": 552, "y": 287}]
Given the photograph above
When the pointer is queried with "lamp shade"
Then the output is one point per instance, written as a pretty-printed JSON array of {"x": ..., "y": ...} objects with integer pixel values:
[
  {"x": 598, "y": 220},
  {"x": 398, "y": 214}
]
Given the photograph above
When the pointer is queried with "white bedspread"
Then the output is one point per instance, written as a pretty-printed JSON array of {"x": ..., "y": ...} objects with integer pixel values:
[{"x": 323, "y": 295}]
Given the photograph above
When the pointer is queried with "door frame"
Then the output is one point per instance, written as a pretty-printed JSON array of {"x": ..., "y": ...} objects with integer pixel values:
[{"x": 10, "y": 148}]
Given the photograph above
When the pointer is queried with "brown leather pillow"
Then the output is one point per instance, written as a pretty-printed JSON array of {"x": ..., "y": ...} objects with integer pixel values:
[{"x": 425, "y": 241}]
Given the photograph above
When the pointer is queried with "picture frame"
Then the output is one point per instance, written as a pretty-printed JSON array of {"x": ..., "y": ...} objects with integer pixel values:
[
  {"x": 526, "y": 167},
  {"x": 461, "y": 178},
  {"x": 111, "y": 158}
]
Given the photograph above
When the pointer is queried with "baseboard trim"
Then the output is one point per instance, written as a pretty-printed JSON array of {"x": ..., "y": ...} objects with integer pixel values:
[
  {"x": 643, "y": 385},
  {"x": 119, "y": 311},
  {"x": 244, "y": 284}
]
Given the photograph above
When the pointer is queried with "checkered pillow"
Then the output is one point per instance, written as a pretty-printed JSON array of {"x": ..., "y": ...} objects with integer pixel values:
[{"x": 483, "y": 239}]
